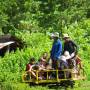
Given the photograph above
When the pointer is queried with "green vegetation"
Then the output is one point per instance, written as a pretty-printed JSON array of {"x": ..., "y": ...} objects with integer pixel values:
[
  {"x": 13, "y": 64},
  {"x": 31, "y": 20}
]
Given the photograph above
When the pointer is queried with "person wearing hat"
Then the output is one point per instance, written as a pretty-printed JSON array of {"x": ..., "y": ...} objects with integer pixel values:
[
  {"x": 64, "y": 60},
  {"x": 56, "y": 50},
  {"x": 63, "y": 64},
  {"x": 69, "y": 45}
]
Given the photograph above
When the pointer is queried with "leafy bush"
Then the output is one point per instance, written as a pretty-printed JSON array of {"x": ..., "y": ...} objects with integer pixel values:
[{"x": 13, "y": 64}]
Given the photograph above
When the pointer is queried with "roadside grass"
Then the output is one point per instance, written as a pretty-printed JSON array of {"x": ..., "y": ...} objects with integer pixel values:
[{"x": 83, "y": 85}]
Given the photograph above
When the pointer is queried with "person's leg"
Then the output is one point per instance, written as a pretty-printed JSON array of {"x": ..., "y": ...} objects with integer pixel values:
[
  {"x": 54, "y": 64},
  {"x": 33, "y": 74}
]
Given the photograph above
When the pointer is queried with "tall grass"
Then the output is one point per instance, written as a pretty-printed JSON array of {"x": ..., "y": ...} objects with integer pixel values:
[{"x": 13, "y": 64}]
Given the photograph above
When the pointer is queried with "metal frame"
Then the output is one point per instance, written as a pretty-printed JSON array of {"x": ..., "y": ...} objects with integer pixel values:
[{"x": 82, "y": 76}]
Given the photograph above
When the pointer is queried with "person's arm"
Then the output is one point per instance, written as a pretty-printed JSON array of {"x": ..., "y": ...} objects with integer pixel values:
[
  {"x": 30, "y": 68},
  {"x": 58, "y": 50},
  {"x": 75, "y": 46},
  {"x": 64, "y": 48},
  {"x": 32, "y": 72}
]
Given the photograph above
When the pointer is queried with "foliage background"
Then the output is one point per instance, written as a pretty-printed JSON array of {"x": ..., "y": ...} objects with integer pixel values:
[{"x": 32, "y": 20}]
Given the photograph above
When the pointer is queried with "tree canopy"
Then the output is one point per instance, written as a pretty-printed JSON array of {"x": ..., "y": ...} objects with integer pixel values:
[{"x": 42, "y": 15}]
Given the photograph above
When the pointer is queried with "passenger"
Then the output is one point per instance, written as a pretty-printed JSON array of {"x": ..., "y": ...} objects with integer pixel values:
[
  {"x": 29, "y": 65},
  {"x": 69, "y": 45},
  {"x": 72, "y": 63},
  {"x": 56, "y": 50},
  {"x": 29, "y": 68},
  {"x": 42, "y": 67},
  {"x": 76, "y": 60},
  {"x": 69, "y": 59},
  {"x": 64, "y": 65},
  {"x": 45, "y": 56},
  {"x": 43, "y": 61},
  {"x": 42, "y": 64},
  {"x": 78, "y": 64}
]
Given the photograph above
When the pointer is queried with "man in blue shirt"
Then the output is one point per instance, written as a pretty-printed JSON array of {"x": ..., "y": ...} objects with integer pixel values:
[{"x": 56, "y": 50}]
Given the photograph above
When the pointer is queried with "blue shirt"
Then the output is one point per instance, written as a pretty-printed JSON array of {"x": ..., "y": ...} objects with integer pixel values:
[{"x": 56, "y": 50}]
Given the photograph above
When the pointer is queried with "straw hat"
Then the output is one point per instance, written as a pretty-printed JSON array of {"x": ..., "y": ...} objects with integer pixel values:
[{"x": 65, "y": 36}]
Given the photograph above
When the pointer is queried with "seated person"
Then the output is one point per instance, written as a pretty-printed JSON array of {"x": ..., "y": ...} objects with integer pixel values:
[
  {"x": 43, "y": 61},
  {"x": 73, "y": 61},
  {"x": 69, "y": 59},
  {"x": 43, "y": 65},
  {"x": 63, "y": 64},
  {"x": 29, "y": 68},
  {"x": 78, "y": 64},
  {"x": 45, "y": 55}
]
